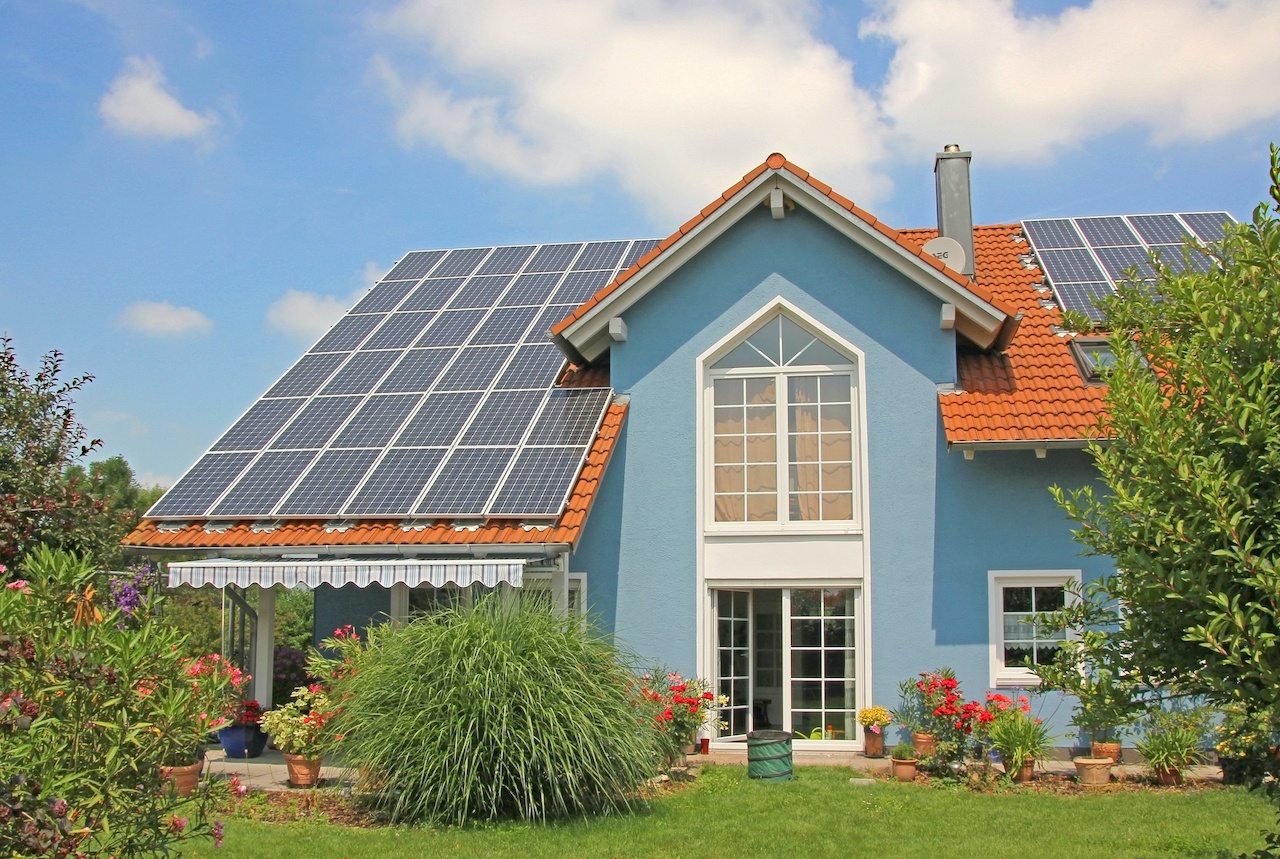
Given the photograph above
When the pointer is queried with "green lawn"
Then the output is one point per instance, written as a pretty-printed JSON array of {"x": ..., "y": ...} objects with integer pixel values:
[{"x": 819, "y": 814}]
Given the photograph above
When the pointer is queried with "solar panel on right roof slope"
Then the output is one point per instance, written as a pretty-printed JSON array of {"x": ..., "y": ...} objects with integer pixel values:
[
  {"x": 1084, "y": 258},
  {"x": 415, "y": 419}
]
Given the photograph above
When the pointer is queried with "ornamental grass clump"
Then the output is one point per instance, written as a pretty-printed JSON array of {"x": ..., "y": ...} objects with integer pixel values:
[{"x": 498, "y": 711}]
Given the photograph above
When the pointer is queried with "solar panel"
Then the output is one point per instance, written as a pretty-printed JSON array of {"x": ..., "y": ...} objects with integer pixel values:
[
  {"x": 328, "y": 484},
  {"x": 201, "y": 485},
  {"x": 638, "y": 249},
  {"x": 258, "y": 425},
  {"x": 504, "y": 417},
  {"x": 399, "y": 331},
  {"x": 385, "y": 296},
  {"x": 348, "y": 333},
  {"x": 539, "y": 482},
  {"x": 415, "y": 265},
  {"x": 366, "y": 424},
  {"x": 318, "y": 422},
  {"x": 433, "y": 294},
  {"x": 396, "y": 482},
  {"x": 1084, "y": 258},
  {"x": 259, "y": 489},
  {"x": 361, "y": 372},
  {"x": 466, "y": 480},
  {"x": 306, "y": 376},
  {"x": 440, "y": 419},
  {"x": 377, "y": 421}
]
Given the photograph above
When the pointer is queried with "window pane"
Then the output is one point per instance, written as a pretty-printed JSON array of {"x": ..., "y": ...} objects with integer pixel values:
[
  {"x": 806, "y": 603},
  {"x": 804, "y": 478},
  {"x": 806, "y": 663},
  {"x": 727, "y": 392},
  {"x": 803, "y": 389},
  {"x": 730, "y": 508},
  {"x": 1016, "y": 657},
  {"x": 729, "y": 450},
  {"x": 1046, "y": 653},
  {"x": 805, "y": 507},
  {"x": 762, "y": 478},
  {"x": 760, "y": 391},
  {"x": 837, "y": 507},
  {"x": 729, "y": 478},
  {"x": 762, "y": 508},
  {"x": 837, "y": 602},
  {"x": 1018, "y": 627},
  {"x": 1017, "y": 599},
  {"x": 743, "y": 355},
  {"x": 837, "y": 447},
  {"x": 794, "y": 340},
  {"x": 761, "y": 419},
  {"x": 761, "y": 448},
  {"x": 728, "y": 421},
  {"x": 837, "y": 418},
  {"x": 836, "y": 478},
  {"x": 803, "y": 419},
  {"x": 806, "y": 694},
  {"x": 838, "y": 696},
  {"x": 1050, "y": 598},
  {"x": 820, "y": 353},
  {"x": 835, "y": 389},
  {"x": 837, "y": 633},
  {"x": 768, "y": 339},
  {"x": 804, "y": 447}
]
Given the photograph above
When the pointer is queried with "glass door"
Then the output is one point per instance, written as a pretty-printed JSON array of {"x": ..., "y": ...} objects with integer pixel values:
[
  {"x": 823, "y": 663},
  {"x": 733, "y": 659}
]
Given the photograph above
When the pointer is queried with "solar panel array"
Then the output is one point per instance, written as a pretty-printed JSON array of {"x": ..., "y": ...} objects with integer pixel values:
[
  {"x": 1084, "y": 258},
  {"x": 433, "y": 397}
]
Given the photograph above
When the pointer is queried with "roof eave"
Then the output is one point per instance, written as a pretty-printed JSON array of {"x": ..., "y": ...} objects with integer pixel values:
[{"x": 977, "y": 320}]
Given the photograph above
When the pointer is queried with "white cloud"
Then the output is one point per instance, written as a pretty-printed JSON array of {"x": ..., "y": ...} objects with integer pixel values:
[
  {"x": 1017, "y": 88},
  {"x": 150, "y": 478},
  {"x": 162, "y": 319},
  {"x": 308, "y": 315},
  {"x": 660, "y": 95},
  {"x": 138, "y": 103}
]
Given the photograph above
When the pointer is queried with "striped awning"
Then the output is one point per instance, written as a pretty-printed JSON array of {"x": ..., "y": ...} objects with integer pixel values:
[{"x": 360, "y": 572}]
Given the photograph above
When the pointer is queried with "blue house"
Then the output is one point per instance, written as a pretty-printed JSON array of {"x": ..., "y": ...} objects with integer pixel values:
[{"x": 788, "y": 448}]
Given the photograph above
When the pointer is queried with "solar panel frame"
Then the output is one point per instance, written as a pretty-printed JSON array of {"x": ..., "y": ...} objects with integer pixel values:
[
  {"x": 399, "y": 330},
  {"x": 578, "y": 286},
  {"x": 554, "y": 257},
  {"x": 202, "y": 485},
  {"x": 328, "y": 483},
  {"x": 306, "y": 376},
  {"x": 384, "y": 296},
  {"x": 461, "y": 262},
  {"x": 504, "y": 325},
  {"x": 465, "y": 481},
  {"x": 1070, "y": 265},
  {"x": 1050, "y": 233},
  {"x": 1207, "y": 226},
  {"x": 417, "y": 370},
  {"x": 1116, "y": 260},
  {"x": 535, "y": 365},
  {"x": 507, "y": 260},
  {"x": 377, "y": 421},
  {"x": 538, "y": 482},
  {"x": 432, "y": 294},
  {"x": 480, "y": 292},
  {"x": 259, "y": 424},
  {"x": 503, "y": 418},
  {"x": 570, "y": 417},
  {"x": 395, "y": 483},
  {"x": 361, "y": 372},
  {"x": 638, "y": 249},
  {"x": 316, "y": 423},
  {"x": 531, "y": 289},
  {"x": 451, "y": 328},
  {"x": 1160, "y": 229},
  {"x": 440, "y": 419},
  {"x": 414, "y": 265},
  {"x": 474, "y": 368},
  {"x": 348, "y": 333},
  {"x": 601, "y": 255},
  {"x": 1108, "y": 231}
]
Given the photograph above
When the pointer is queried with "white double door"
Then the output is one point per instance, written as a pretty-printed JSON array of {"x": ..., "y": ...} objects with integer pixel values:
[{"x": 786, "y": 659}]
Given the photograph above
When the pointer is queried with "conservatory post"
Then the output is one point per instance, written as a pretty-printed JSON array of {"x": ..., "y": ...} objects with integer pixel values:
[
  {"x": 560, "y": 584},
  {"x": 264, "y": 650}
]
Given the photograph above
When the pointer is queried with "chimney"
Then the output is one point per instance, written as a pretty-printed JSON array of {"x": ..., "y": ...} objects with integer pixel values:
[{"x": 955, "y": 212}]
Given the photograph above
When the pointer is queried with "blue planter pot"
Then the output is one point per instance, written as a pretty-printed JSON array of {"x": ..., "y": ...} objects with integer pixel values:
[{"x": 242, "y": 741}]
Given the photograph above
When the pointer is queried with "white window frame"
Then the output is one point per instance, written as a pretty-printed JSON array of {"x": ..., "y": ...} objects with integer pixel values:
[
  {"x": 577, "y": 585},
  {"x": 783, "y": 524},
  {"x": 997, "y": 580}
]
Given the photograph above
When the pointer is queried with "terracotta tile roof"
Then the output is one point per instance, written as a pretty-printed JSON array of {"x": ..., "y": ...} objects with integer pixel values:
[
  {"x": 392, "y": 532},
  {"x": 778, "y": 162},
  {"x": 1033, "y": 390}
]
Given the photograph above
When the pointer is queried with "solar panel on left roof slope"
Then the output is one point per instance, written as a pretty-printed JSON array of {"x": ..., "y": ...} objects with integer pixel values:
[{"x": 430, "y": 368}]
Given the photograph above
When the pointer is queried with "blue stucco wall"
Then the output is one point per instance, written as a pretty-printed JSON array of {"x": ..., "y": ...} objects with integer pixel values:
[{"x": 937, "y": 523}]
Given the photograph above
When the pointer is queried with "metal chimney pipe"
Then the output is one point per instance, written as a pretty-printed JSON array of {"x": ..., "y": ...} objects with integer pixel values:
[{"x": 955, "y": 208}]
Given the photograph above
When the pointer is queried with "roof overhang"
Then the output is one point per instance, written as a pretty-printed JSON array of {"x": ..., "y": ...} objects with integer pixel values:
[
  {"x": 971, "y": 447},
  {"x": 587, "y": 337},
  {"x": 361, "y": 572}
]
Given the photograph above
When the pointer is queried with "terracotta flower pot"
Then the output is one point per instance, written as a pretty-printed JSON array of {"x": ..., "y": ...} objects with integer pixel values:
[
  {"x": 1021, "y": 774},
  {"x": 1105, "y": 750},
  {"x": 872, "y": 744},
  {"x": 905, "y": 770},
  {"x": 303, "y": 772},
  {"x": 1094, "y": 771},
  {"x": 926, "y": 744},
  {"x": 1168, "y": 776},
  {"x": 184, "y": 778}
]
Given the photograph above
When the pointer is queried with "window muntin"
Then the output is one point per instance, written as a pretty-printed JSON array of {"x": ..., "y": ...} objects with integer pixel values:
[{"x": 782, "y": 441}]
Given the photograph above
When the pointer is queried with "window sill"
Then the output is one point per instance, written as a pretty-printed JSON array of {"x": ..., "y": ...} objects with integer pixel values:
[
  {"x": 1021, "y": 679},
  {"x": 773, "y": 529}
]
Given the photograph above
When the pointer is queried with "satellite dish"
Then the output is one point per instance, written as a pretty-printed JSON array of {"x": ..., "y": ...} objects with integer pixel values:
[{"x": 946, "y": 250}]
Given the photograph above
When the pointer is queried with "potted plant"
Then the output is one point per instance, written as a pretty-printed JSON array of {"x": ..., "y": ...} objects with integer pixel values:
[
  {"x": 298, "y": 731},
  {"x": 904, "y": 761},
  {"x": 922, "y": 701},
  {"x": 243, "y": 736},
  {"x": 873, "y": 721},
  {"x": 194, "y": 706},
  {"x": 1171, "y": 741},
  {"x": 1019, "y": 737},
  {"x": 1245, "y": 743}
]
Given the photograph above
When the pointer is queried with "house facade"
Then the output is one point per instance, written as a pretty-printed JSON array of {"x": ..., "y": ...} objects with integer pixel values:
[{"x": 820, "y": 463}]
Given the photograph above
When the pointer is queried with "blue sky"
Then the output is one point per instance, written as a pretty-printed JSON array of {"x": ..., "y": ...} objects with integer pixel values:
[{"x": 190, "y": 192}]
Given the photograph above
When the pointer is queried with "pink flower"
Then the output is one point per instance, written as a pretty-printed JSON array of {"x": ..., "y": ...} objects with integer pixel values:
[{"x": 16, "y": 584}]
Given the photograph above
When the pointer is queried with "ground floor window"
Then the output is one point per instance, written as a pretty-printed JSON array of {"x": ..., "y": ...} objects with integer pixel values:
[
  {"x": 1018, "y": 643},
  {"x": 786, "y": 658}
]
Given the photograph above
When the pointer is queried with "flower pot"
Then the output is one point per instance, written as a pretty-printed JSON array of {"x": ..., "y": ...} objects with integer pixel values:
[
  {"x": 905, "y": 770},
  {"x": 872, "y": 744},
  {"x": 1105, "y": 750},
  {"x": 242, "y": 741},
  {"x": 183, "y": 778},
  {"x": 1093, "y": 771},
  {"x": 926, "y": 744},
  {"x": 1021, "y": 774},
  {"x": 1168, "y": 776},
  {"x": 303, "y": 772}
]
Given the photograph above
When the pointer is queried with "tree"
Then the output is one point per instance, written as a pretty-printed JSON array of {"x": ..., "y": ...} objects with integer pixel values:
[{"x": 1191, "y": 469}]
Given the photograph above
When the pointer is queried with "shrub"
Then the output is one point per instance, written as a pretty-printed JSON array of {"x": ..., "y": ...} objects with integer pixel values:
[
  {"x": 903, "y": 751},
  {"x": 289, "y": 672},
  {"x": 298, "y": 726},
  {"x": 1173, "y": 739},
  {"x": 94, "y": 698},
  {"x": 676, "y": 708},
  {"x": 501, "y": 710}
]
